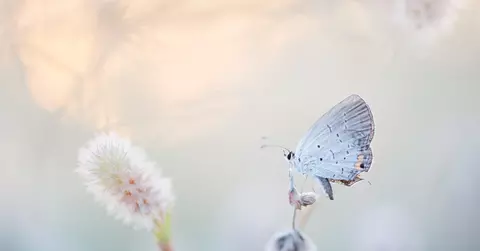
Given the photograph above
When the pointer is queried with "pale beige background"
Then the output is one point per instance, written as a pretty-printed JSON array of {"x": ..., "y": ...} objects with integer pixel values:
[{"x": 199, "y": 83}]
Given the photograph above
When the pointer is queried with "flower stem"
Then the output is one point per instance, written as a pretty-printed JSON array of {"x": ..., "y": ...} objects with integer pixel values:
[
  {"x": 162, "y": 233},
  {"x": 165, "y": 246},
  {"x": 294, "y": 218}
]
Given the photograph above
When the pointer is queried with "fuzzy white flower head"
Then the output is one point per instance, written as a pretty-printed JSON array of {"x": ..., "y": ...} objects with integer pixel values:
[
  {"x": 292, "y": 240},
  {"x": 121, "y": 178},
  {"x": 426, "y": 19}
]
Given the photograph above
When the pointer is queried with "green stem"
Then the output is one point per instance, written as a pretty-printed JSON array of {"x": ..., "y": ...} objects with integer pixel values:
[{"x": 163, "y": 233}]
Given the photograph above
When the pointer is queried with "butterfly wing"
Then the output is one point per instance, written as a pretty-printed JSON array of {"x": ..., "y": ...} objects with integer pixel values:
[{"x": 337, "y": 146}]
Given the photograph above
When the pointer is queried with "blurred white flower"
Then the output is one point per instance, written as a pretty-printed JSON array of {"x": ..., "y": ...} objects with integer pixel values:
[
  {"x": 426, "y": 18},
  {"x": 121, "y": 178},
  {"x": 292, "y": 240}
]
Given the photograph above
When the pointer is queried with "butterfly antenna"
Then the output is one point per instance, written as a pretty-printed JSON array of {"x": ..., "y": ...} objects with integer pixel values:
[{"x": 278, "y": 146}]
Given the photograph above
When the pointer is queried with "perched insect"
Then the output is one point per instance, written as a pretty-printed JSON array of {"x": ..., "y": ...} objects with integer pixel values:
[{"x": 337, "y": 147}]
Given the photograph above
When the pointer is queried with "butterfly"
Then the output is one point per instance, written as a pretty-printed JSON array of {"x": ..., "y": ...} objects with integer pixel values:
[{"x": 336, "y": 149}]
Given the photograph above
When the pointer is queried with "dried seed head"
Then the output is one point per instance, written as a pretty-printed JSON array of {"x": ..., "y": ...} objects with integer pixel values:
[
  {"x": 307, "y": 199},
  {"x": 301, "y": 200}
]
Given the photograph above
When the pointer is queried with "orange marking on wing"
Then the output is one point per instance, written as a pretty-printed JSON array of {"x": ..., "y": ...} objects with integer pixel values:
[
  {"x": 360, "y": 157},
  {"x": 347, "y": 182},
  {"x": 359, "y": 162}
]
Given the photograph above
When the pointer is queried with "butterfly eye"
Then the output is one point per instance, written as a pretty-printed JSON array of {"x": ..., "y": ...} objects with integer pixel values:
[{"x": 289, "y": 156}]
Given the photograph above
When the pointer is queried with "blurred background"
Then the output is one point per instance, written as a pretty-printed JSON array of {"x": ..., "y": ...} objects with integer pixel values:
[{"x": 199, "y": 83}]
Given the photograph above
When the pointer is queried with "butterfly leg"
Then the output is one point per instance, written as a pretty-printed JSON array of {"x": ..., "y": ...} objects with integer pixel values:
[{"x": 326, "y": 186}]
